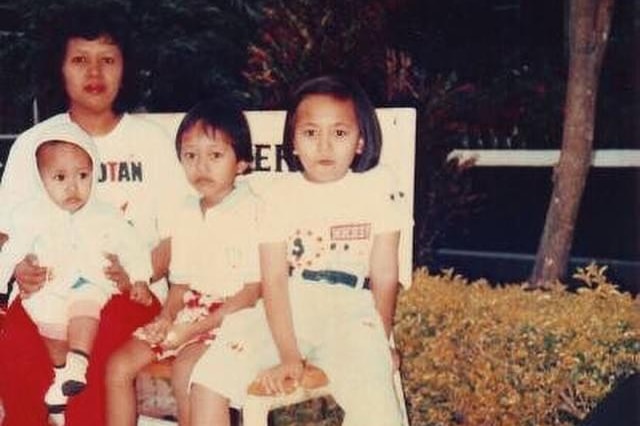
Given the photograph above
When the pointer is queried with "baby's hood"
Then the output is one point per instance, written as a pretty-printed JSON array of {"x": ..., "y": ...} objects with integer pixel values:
[{"x": 71, "y": 133}]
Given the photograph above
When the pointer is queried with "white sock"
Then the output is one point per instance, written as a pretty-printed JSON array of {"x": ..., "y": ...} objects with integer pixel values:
[
  {"x": 54, "y": 398},
  {"x": 75, "y": 373}
]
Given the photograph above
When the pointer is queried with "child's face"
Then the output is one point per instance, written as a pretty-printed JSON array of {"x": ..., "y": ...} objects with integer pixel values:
[
  {"x": 67, "y": 174},
  {"x": 92, "y": 72},
  {"x": 210, "y": 163},
  {"x": 326, "y": 137}
]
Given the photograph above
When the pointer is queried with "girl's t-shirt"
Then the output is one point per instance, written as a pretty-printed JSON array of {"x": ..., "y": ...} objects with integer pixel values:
[{"x": 329, "y": 228}]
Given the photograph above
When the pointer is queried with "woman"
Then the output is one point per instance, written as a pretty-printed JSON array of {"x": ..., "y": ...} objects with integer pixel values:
[{"x": 138, "y": 174}]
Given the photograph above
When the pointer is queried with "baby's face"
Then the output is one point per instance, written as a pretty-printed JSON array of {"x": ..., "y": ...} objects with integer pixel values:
[
  {"x": 210, "y": 163},
  {"x": 66, "y": 171}
]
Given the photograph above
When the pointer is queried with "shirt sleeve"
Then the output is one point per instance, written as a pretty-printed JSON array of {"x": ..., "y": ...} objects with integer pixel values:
[
  {"x": 21, "y": 237},
  {"x": 252, "y": 265},
  {"x": 181, "y": 251},
  {"x": 133, "y": 252},
  {"x": 272, "y": 219},
  {"x": 392, "y": 211},
  {"x": 17, "y": 179},
  {"x": 171, "y": 184}
]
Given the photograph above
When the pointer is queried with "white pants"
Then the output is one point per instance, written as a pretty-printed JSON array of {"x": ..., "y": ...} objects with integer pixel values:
[
  {"x": 52, "y": 306},
  {"x": 338, "y": 329}
]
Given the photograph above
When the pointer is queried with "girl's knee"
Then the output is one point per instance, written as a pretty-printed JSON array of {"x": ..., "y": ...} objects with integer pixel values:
[{"x": 120, "y": 369}]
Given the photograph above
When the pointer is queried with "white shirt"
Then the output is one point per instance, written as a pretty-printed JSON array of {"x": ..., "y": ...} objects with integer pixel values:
[
  {"x": 217, "y": 254},
  {"x": 139, "y": 174},
  {"x": 329, "y": 228}
]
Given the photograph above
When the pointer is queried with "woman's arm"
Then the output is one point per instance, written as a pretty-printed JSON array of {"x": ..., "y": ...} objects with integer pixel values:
[
  {"x": 160, "y": 259},
  {"x": 383, "y": 276}
]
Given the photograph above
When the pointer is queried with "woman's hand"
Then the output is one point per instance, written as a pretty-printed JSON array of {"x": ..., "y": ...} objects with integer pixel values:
[
  {"x": 115, "y": 272},
  {"x": 281, "y": 379},
  {"x": 140, "y": 293},
  {"x": 30, "y": 276}
]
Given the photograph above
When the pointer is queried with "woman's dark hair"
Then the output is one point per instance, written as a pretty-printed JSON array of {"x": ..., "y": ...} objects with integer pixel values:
[
  {"x": 339, "y": 87},
  {"x": 91, "y": 22},
  {"x": 222, "y": 115}
]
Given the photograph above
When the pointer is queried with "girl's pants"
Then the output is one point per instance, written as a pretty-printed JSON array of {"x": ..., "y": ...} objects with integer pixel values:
[{"x": 338, "y": 329}]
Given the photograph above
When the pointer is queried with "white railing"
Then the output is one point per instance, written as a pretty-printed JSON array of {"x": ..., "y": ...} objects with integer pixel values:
[{"x": 543, "y": 157}]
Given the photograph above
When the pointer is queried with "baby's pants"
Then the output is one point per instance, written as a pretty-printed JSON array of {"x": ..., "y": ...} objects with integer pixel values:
[
  {"x": 338, "y": 329},
  {"x": 51, "y": 307}
]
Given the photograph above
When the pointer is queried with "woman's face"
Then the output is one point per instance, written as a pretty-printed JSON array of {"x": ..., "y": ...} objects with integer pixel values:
[{"x": 92, "y": 72}]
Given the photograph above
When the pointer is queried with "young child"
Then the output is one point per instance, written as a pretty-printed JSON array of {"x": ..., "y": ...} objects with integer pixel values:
[
  {"x": 214, "y": 268},
  {"x": 329, "y": 259},
  {"x": 70, "y": 233}
]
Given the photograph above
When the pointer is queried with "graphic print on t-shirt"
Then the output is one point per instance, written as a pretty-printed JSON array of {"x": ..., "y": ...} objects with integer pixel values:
[
  {"x": 334, "y": 255},
  {"x": 121, "y": 171}
]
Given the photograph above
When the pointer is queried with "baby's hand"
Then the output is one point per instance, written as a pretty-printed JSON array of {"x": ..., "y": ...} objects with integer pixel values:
[
  {"x": 140, "y": 293},
  {"x": 281, "y": 379}
]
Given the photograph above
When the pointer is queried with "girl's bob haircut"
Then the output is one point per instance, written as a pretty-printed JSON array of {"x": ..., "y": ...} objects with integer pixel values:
[{"x": 343, "y": 88}]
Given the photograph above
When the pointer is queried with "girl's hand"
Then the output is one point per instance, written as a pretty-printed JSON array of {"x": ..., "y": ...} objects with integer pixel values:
[
  {"x": 115, "y": 272},
  {"x": 177, "y": 335},
  {"x": 156, "y": 331},
  {"x": 281, "y": 379},
  {"x": 30, "y": 276},
  {"x": 140, "y": 293}
]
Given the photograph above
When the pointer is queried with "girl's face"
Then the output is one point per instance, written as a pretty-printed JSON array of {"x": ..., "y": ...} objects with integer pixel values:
[
  {"x": 92, "y": 72},
  {"x": 210, "y": 163},
  {"x": 66, "y": 173},
  {"x": 326, "y": 137}
]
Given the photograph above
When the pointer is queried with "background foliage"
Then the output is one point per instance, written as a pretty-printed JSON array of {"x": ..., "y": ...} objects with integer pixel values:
[{"x": 477, "y": 354}]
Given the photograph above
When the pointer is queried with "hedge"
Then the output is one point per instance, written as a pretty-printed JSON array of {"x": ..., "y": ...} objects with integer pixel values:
[{"x": 478, "y": 354}]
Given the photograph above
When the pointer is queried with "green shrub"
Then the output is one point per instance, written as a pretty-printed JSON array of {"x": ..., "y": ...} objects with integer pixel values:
[{"x": 476, "y": 354}]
